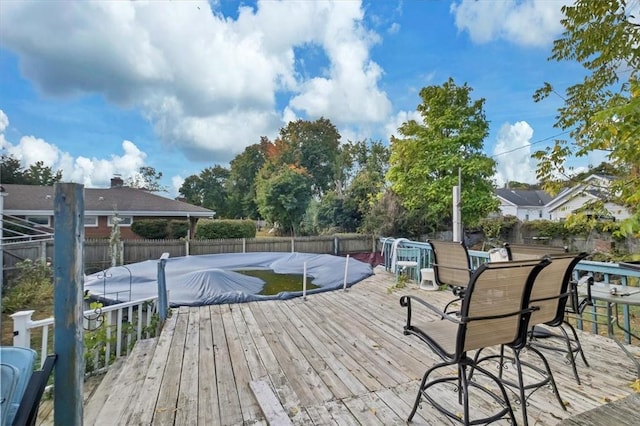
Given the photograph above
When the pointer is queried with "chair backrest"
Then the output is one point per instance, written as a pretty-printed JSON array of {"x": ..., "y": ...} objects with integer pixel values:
[
  {"x": 451, "y": 263},
  {"x": 550, "y": 290},
  {"x": 493, "y": 304},
  {"x": 523, "y": 252},
  {"x": 23, "y": 359}
]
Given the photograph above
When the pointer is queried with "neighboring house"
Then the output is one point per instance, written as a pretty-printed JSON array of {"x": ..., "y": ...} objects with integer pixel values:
[
  {"x": 523, "y": 203},
  {"x": 35, "y": 203},
  {"x": 574, "y": 199}
]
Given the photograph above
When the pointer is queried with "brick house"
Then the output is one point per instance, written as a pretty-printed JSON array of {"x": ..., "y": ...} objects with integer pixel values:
[{"x": 35, "y": 204}]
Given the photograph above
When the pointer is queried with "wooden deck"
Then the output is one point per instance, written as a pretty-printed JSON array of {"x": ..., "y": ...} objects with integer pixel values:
[{"x": 336, "y": 358}]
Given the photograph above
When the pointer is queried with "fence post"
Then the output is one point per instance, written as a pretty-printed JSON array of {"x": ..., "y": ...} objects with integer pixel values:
[
  {"x": 336, "y": 246},
  {"x": 186, "y": 247},
  {"x": 67, "y": 303},
  {"x": 43, "y": 251},
  {"x": 162, "y": 291},
  {"x": 21, "y": 330},
  {"x": 346, "y": 271}
]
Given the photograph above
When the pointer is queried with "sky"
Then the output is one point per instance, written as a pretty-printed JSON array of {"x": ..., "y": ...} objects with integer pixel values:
[{"x": 100, "y": 88}]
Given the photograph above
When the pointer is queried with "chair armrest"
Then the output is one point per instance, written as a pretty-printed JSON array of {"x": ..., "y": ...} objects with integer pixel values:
[{"x": 405, "y": 301}]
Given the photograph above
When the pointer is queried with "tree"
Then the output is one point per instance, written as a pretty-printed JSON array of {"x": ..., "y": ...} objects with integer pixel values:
[
  {"x": 147, "y": 178},
  {"x": 11, "y": 171},
  {"x": 602, "y": 112},
  {"x": 424, "y": 163},
  {"x": 311, "y": 145},
  {"x": 208, "y": 189},
  {"x": 283, "y": 196},
  {"x": 242, "y": 178}
]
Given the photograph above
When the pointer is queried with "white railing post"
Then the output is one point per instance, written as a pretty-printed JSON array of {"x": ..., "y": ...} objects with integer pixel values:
[{"x": 21, "y": 329}]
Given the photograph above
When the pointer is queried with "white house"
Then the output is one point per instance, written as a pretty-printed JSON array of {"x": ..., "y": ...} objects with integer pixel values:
[
  {"x": 525, "y": 204},
  {"x": 572, "y": 200}
]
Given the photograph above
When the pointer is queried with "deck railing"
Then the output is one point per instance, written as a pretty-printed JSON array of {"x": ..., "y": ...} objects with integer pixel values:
[
  {"x": 110, "y": 331},
  {"x": 603, "y": 271}
]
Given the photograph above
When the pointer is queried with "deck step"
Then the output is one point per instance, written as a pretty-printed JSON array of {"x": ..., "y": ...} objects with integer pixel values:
[
  {"x": 98, "y": 398},
  {"x": 126, "y": 386}
]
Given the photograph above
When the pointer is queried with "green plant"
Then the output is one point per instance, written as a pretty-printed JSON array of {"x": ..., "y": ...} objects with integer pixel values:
[
  {"x": 32, "y": 286},
  {"x": 401, "y": 282},
  {"x": 220, "y": 229},
  {"x": 153, "y": 229}
]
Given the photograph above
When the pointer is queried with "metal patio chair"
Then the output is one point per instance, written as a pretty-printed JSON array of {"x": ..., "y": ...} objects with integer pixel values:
[
  {"x": 451, "y": 266},
  {"x": 549, "y": 295},
  {"x": 495, "y": 310},
  {"x": 407, "y": 261}
]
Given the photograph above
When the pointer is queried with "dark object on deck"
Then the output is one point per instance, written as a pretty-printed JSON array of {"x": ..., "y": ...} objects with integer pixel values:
[
  {"x": 28, "y": 410},
  {"x": 508, "y": 286}
]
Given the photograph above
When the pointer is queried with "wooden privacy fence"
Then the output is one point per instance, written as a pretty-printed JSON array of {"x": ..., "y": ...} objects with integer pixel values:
[{"x": 97, "y": 252}]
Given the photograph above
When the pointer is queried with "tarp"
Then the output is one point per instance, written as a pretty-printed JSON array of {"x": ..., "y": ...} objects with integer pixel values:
[{"x": 210, "y": 279}]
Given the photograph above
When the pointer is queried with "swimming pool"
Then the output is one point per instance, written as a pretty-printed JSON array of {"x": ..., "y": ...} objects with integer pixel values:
[{"x": 212, "y": 279}]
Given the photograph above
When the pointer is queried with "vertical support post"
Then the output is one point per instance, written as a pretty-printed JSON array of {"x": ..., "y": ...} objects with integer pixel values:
[
  {"x": 67, "y": 297},
  {"x": 2, "y": 195},
  {"x": 304, "y": 280},
  {"x": 186, "y": 247},
  {"x": 346, "y": 270},
  {"x": 456, "y": 214},
  {"x": 43, "y": 250},
  {"x": 293, "y": 246},
  {"x": 21, "y": 330},
  {"x": 244, "y": 245},
  {"x": 336, "y": 246},
  {"x": 163, "y": 306}
]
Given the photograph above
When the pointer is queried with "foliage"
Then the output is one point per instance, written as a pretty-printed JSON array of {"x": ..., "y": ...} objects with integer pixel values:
[
  {"x": 546, "y": 228},
  {"x": 336, "y": 214},
  {"x": 497, "y": 228},
  {"x": 283, "y": 196},
  {"x": 147, "y": 178},
  {"x": 425, "y": 162},
  {"x": 387, "y": 216},
  {"x": 208, "y": 189},
  {"x": 11, "y": 171},
  {"x": 602, "y": 112},
  {"x": 160, "y": 229},
  {"x": 32, "y": 286},
  {"x": 221, "y": 229},
  {"x": 241, "y": 183},
  {"x": 311, "y": 146}
]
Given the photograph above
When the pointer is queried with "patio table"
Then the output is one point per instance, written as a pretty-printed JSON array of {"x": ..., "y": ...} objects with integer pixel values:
[{"x": 614, "y": 296}]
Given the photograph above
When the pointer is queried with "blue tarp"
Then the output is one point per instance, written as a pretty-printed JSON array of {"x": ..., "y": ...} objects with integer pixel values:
[{"x": 210, "y": 279}]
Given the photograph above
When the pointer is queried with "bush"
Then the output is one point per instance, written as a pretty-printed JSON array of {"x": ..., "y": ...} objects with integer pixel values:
[
  {"x": 153, "y": 229},
  {"x": 31, "y": 287},
  {"x": 222, "y": 229},
  {"x": 160, "y": 229}
]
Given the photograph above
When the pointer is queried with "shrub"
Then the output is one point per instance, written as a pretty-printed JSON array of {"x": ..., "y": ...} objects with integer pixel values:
[
  {"x": 221, "y": 229},
  {"x": 31, "y": 287},
  {"x": 153, "y": 229},
  {"x": 178, "y": 228}
]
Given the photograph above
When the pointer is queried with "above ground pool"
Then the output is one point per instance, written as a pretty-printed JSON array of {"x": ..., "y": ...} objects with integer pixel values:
[{"x": 212, "y": 279}]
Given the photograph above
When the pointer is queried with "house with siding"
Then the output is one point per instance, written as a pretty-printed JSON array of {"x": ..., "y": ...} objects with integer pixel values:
[
  {"x": 35, "y": 204},
  {"x": 524, "y": 204},
  {"x": 575, "y": 199}
]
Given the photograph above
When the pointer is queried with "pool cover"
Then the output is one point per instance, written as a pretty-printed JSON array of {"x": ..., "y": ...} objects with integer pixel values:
[{"x": 210, "y": 279}]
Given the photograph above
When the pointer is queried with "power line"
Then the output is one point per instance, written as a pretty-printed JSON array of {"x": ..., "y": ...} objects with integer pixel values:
[{"x": 532, "y": 143}]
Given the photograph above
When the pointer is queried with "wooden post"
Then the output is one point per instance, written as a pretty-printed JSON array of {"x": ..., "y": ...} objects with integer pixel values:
[{"x": 68, "y": 283}]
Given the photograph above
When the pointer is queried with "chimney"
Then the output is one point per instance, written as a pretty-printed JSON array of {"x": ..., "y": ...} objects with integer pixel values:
[{"x": 117, "y": 182}]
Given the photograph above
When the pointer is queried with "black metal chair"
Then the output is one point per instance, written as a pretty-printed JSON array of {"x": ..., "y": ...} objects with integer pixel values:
[
  {"x": 571, "y": 305},
  {"x": 549, "y": 295},
  {"x": 29, "y": 404},
  {"x": 495, "y": 311}
]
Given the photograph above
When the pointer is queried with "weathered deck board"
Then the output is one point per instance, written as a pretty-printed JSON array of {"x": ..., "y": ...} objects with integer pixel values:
[{"x": 336, "y": 358}]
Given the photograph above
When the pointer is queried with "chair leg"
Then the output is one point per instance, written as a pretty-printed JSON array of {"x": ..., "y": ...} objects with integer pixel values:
[
  {"x": 550, "y": 375},
  {"x": 577, "y": 342},
  {"x": 419, "y": 396},
  {"x": 523, "y": 398}
]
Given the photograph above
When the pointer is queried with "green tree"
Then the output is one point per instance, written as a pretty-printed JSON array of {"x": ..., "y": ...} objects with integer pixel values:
[
  {"x": 242, "y": 181},
  {"x": 208, "y": 189},
  {"x": 283, "y": 196},
  {"x": 312, "y": 145},
  {"x": 602, "y": 112},
  {"x": 425, "y": 162},
  {"x": 11, "y": 171},
  {"x": 147, "y": 178}
]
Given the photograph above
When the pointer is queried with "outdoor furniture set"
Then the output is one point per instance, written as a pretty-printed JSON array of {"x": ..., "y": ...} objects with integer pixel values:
[{"x": 502, "y": 305}]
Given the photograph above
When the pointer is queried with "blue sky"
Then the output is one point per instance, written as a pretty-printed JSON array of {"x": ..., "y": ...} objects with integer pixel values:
[{"x": 102, "y": 88}]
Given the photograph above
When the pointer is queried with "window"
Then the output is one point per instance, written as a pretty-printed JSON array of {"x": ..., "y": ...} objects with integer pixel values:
[
  {"x": 122, "y": 220},
  {"x": 540, "y": 215},
  {"x": 39, "y": 220},
  {"x": 91, "y": 221}
]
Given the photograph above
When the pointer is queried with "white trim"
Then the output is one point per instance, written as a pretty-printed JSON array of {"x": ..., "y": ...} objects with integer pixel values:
[{"x": 91, "y": 225}]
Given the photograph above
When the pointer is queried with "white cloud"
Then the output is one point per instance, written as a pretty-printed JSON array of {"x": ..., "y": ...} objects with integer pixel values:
[
  {"x": 512, "y": 153},
  {"x": 525, "y": 22},
  {"x": 4, "y": 121},
  {"x": 92, "y": 172},
  {"x": 176, "y": 183},
  {"x": 208, "y": 83}
]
